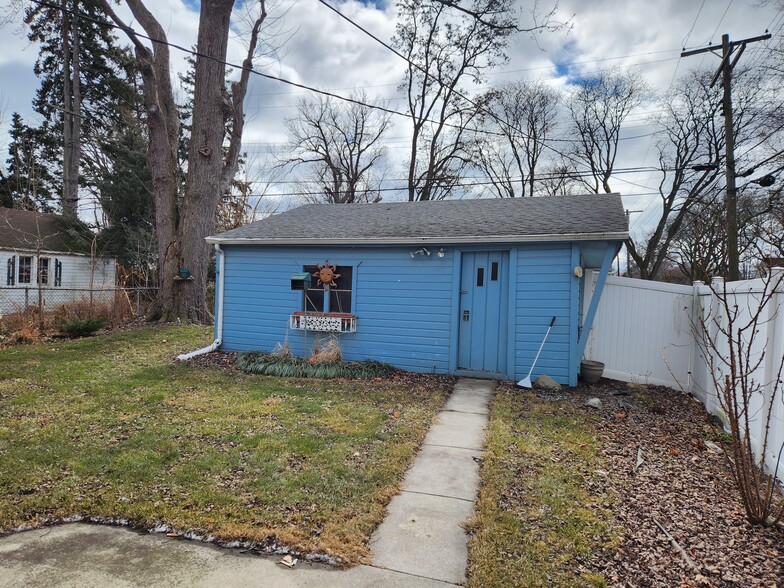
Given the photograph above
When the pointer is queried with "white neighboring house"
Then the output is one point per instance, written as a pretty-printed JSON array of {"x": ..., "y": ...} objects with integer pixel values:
[{"x": 42, "y": 250}]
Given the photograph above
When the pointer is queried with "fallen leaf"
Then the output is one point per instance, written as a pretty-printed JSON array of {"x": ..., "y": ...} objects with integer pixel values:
[
  {"x": 698, "y": 444},
  {"x": 620, "y": 415},
  {"x": 288, "y": 561},
  {"x": 674, "y": 452}
]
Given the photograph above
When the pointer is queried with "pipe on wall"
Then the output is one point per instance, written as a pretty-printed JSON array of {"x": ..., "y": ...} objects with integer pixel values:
[{"x": 218, "y": 312}]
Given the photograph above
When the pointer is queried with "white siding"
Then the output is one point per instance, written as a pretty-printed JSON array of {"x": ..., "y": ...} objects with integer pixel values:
[{"x": 80, "y": 273}]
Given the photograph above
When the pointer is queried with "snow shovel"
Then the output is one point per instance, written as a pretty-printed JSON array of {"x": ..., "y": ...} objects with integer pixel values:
[{"x": 526, "y": 382}]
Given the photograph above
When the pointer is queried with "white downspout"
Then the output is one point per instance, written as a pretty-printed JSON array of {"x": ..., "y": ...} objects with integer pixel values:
[{"x": 218, "y": 313}]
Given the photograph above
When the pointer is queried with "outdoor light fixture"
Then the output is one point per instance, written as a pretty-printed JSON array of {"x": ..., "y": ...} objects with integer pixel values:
[
  {"x": 420, "y": 251},
  {"x": 441, "y": 252}
]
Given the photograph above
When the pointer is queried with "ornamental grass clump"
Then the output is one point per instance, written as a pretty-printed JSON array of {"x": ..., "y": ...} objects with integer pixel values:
[{"x": 270, "y": 364}]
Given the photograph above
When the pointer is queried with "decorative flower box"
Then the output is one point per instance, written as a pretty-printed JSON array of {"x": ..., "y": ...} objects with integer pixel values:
[{"x": 331, "y": 322}]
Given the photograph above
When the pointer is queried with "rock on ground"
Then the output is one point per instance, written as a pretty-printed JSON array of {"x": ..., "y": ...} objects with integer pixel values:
[{"x": 545, "y": 382}]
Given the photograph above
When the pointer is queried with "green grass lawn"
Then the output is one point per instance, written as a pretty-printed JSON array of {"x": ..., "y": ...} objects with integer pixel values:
[
  {"x": 536, "y": 519},
  {"x": 113, "y": 427}
]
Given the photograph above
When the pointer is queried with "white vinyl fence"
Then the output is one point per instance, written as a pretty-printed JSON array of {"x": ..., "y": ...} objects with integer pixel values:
[{"x": 649, "y": 332}]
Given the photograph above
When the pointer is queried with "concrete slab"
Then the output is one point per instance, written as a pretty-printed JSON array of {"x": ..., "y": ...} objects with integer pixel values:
[
  {"x": 422, "y": 535},
  {"x": 79, "y": 555},
  {"x": 471, "y": 396},
  {"x": 445, "y": 471},
  {"x": 475, "y": 387},
  {"x": 467, "y": 402},
  {"x": 458, "y": 429}
]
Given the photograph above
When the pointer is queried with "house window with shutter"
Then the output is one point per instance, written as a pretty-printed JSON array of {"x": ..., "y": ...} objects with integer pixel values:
[
  {"x": 25, "y": 269},
  {"x": 10, "y": 277},
  {"x": 58, "y": 272}
]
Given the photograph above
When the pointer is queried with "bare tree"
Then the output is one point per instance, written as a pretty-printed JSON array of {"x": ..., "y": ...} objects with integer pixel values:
[
  {"x": 339, "y": 147},
  {"x": 691, "y": 156},
  {"x": 522, "y": 116},
  {"x": 598, "y": 107},
  {"x": 768, "y": 229},
  {"x": 444, "y": 48},
  {"x": 692, "y": 136},
  {"x": 183, "y": 222},
  {"x": 559, "y": 179}
]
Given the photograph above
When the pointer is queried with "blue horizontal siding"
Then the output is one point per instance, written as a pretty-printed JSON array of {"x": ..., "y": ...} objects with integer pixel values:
[
  {"x": 406, "y": 308},
  {"x": 544, "y": 288},
  {"x": 402, "y": 304}
]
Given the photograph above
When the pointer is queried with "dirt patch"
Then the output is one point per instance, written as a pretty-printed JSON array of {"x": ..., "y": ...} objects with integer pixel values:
[{"x": 681, "y": 482}]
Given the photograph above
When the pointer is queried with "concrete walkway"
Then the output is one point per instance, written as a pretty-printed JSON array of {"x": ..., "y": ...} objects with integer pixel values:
[
  {"x": 419, "y": 545},
  {"x": 422, "y": 534}
]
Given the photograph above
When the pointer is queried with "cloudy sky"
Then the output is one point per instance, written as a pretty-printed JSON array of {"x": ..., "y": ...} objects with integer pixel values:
[{"x": 313, "y": 46}]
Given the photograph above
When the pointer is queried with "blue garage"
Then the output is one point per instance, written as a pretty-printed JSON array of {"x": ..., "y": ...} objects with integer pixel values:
[{"x": 466, "y": 287}]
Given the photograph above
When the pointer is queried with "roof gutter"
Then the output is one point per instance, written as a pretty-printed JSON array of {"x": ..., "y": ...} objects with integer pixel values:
[
  {"x": 477, "y": 239},
  {"x": 218, "y": 311}
]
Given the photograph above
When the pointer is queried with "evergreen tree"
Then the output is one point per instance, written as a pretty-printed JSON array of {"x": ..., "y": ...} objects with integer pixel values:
[
  {"x": 126, "y": 197},
  {"x": 27, "y": 182},
  {"x": 87, "y": 87}
]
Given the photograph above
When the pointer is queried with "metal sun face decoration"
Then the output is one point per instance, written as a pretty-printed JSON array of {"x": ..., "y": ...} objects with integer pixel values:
[{"x": 327, "y": 275}]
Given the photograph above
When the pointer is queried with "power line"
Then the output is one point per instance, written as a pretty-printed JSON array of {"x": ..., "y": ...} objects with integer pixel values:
[
  {"x": 130, "y": 30},
  {"x": 693, "y": 24}
]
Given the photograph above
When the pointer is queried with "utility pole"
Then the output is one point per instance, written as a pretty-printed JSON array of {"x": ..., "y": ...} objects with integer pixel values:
[{"x": 731, "y": 200}]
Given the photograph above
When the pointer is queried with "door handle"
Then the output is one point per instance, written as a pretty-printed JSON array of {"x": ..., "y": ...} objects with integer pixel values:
[{"x": 466, "y": 315}]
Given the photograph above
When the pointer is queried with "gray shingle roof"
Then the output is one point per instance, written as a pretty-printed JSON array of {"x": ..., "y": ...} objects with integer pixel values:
[
  {"x": 31, "y": 231},
  {"x": 588, "y": 217}
]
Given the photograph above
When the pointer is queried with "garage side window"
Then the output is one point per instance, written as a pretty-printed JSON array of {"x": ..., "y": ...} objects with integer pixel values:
[{"x": 335, "y": 298}]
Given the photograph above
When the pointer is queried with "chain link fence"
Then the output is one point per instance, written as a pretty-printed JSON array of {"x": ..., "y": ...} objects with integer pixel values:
[{"x": 36, "y": 311}]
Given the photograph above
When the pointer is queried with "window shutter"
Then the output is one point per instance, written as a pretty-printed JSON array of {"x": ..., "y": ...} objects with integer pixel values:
[
  {"x": 58, "y": 272},
  {"x": 11, "y": 275}
]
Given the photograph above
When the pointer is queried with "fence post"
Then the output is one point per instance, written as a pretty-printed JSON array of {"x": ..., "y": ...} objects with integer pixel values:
[
  {"x": 714, "y": 318},
  {"x": 696, "y": 318},
  {"x": 774, "y": 352}
]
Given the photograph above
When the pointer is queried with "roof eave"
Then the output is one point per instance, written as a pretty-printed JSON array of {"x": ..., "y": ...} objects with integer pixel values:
[
  {"x": 444, "y": 240},
  {"x": 34, "y": 251}
]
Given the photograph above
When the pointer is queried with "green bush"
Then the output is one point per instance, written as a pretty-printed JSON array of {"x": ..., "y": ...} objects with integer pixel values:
[
  {"x": 270, "y": 364},
  {"x": 77, "y": 327}
]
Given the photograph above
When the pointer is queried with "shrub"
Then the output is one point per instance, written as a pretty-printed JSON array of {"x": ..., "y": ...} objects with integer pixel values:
[{"x": 77, "y": 327}]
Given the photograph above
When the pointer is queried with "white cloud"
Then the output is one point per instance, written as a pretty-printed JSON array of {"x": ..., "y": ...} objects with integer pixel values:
[{"x": 324, "y": 51}]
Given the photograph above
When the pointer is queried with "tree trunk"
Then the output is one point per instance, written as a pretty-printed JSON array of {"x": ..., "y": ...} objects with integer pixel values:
[
  {"x": 71, "y": 203},
  {"x": 183, "y": 224},
  {"x": 162, "y": 158},
  {"x": 205, "y": 159},
  {"x": 67, "y": 117}
]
